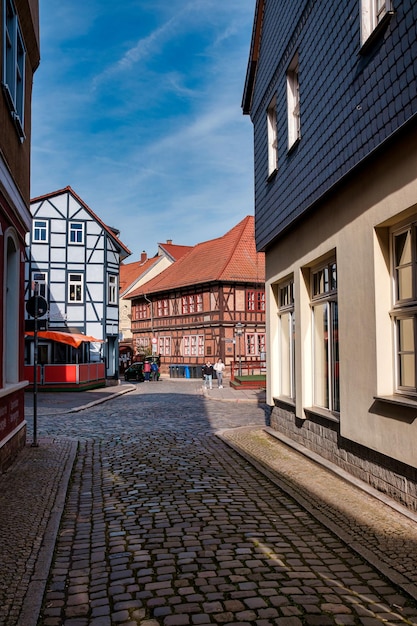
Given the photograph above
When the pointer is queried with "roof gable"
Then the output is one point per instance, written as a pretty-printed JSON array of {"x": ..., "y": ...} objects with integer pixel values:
[
  {"x": 231, "y": 258},
  {"x": 75, "y": 202}
]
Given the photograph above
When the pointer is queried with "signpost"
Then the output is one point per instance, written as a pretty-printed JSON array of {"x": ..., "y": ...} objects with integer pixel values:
[{"x": 36, "y": 306}]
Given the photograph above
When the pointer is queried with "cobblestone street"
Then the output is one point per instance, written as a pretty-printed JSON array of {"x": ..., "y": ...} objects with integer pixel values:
[{"x": 167, "y": 525}]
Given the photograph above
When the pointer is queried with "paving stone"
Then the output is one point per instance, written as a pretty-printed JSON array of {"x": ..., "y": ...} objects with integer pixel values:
[{"x": 167, "y": 524}]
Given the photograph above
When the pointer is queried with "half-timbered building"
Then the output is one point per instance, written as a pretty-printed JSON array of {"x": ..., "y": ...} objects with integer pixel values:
[
  {"x": 73, "y": 262},
  {"x": 19, "y": 58},
  {"x": 209, "y": 304}
]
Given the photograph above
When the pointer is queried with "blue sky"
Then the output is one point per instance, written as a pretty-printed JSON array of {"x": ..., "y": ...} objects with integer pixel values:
[{"x": 137, "y": 106}]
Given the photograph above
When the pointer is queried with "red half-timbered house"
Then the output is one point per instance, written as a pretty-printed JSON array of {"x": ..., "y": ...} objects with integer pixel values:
[{"x": 209, "y": 304}]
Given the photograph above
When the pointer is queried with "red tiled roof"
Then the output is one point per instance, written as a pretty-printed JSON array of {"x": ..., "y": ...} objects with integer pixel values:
[
  {"x": 231, "y": 258},
  {"x": 174, "y": 251},
  {"x": 108, "y": 229},
  {"x": 131, "y": 272}
]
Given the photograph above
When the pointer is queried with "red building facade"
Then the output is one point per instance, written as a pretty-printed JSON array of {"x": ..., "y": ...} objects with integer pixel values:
[
  {"x": 19, "y": 58},
  {"x": 209, "y": 304}
]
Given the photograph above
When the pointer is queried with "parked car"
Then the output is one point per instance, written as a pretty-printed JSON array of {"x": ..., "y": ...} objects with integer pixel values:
[{"x": 135, "y": 372}]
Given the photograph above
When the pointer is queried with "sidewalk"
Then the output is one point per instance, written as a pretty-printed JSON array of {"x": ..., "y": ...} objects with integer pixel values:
[{"x": 381, "y": 531}]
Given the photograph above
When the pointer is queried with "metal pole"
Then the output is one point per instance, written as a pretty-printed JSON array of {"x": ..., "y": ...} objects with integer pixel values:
[{"x": 35, "y": 372}]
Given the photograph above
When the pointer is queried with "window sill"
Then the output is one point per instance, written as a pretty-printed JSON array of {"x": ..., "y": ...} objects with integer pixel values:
[
  {"x": 285, "y": 403},
  {"x": 13, "y": 387},
  {"x": 398, "y": 400},
  {"x": 272, "y": 175},
  {"x": 376, "y": 33},
  {"x": 293, "y": 146},
  {"x": 332, "y": 416}
]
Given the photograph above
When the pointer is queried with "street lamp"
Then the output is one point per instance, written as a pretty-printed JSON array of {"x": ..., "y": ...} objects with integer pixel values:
[{"x": 239, "y": 332}]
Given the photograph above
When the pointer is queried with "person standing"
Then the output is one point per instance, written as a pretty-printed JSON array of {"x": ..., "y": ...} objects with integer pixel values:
[
  {"x": 208, "y": 375},
  {"x": 155, "y": 371},
  {"x": 147, "y": 371},
  {"x": 219, "y": 368}
]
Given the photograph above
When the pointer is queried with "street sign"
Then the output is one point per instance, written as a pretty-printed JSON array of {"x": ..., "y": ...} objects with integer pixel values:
[
  {"x": 154, "y": 340},
  {"x": 36, "y": 306}
]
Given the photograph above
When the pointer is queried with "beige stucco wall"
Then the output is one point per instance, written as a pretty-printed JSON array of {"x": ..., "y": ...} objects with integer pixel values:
[
  {"x": 355, "y": 223},
  {"x": 125, "y": 305}
]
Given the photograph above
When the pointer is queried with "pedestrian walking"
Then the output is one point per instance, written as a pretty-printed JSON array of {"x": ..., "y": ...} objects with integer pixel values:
[
  {"x": 219, "y": 368},
  {"x": 208, "y": 375}
]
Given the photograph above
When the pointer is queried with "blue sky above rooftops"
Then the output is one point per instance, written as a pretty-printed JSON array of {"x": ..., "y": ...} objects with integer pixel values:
[{"x": 136, "y": 106}]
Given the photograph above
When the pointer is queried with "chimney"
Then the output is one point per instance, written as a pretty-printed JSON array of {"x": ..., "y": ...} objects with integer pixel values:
[
  {"x": 143, "y": 257},
  {"x": 169, "y": 241}
]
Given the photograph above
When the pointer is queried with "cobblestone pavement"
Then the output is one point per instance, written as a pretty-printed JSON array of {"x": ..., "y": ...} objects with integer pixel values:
[{"x": 165, "y": 524}]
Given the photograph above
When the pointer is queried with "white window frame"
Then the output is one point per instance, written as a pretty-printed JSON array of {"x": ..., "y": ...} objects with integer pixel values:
[
  {"x": 324, "y": 311},
  {"x": 286, "y": 334},
  {"x": 76, "y": 286},
  {"x": 76, "y": 233},
  {"x": 272, "y": 132},
  {"x": 373, "y": 14},
  {"x": 13, "y": 71},
  {"x": 41, "y": 279},
  {"x": 164, "y": 344},
  {"x": 112, "y": 289},
  {"x": 193, "y": 345},
  {"x": 293, "y": 103},
  {"x": 162, "y": 307},
  {"x": 254, "y": 344},
  {"x": 142, "y": 344},
  {"x": 404, "y": 312},
  {"x": 40, "y": 228}
]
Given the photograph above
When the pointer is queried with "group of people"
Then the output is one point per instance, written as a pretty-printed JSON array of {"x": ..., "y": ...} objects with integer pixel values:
[
  {"x": 150, "y": 371},
  {"x": 208, "y": 371}
]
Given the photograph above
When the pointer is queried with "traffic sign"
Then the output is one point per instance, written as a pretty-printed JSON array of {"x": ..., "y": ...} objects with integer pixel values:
[{"x": 36, "y": 306}]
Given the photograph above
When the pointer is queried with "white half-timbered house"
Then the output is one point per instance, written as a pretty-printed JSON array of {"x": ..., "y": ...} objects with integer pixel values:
[{"x": 73, "y": 261}]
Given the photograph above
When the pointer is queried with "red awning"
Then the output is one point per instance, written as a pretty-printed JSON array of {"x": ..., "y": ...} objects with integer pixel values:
[{"x": 72, "y": 339}]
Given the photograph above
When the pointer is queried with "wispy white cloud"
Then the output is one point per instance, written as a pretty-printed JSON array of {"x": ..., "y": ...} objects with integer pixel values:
[{"x": 147, "y": 127}]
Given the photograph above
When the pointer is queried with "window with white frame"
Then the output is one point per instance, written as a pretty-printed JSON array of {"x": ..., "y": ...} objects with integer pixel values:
[
  {"x": 76, "y": 233},
  {"x": 293, "y": 103},
  {"x": 255, "y": 300},
  {"x": 141, "y": 311},
  {"x": 142, "y": 345},
  {"x": 75, "y": 288},
  {"x": 255, "y": 344},
  {"x": 162, "y": 307},
  {"x": 13, "y": 75},
  {"x": 373, "y": 14},
  {"x": 286, "y": 325},
  {"x": 192, "y": 303},
  {"x": 40, "y": 281},
  {"x": 193, "y": 345},
  {"x": 164, "y": 344},
  {"x": 112, "y": 289},
  {"x": 40, "y": 231},
  {"x": 272, "y": 136},
  {"x": 404, "y": 313},
  {"x": 325, "y": 337}
]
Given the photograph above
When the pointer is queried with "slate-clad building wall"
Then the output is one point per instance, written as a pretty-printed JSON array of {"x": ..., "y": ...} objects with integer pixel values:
[
  {"x": 351, "y": 99},
  {"x": 331, "y": 89}
]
